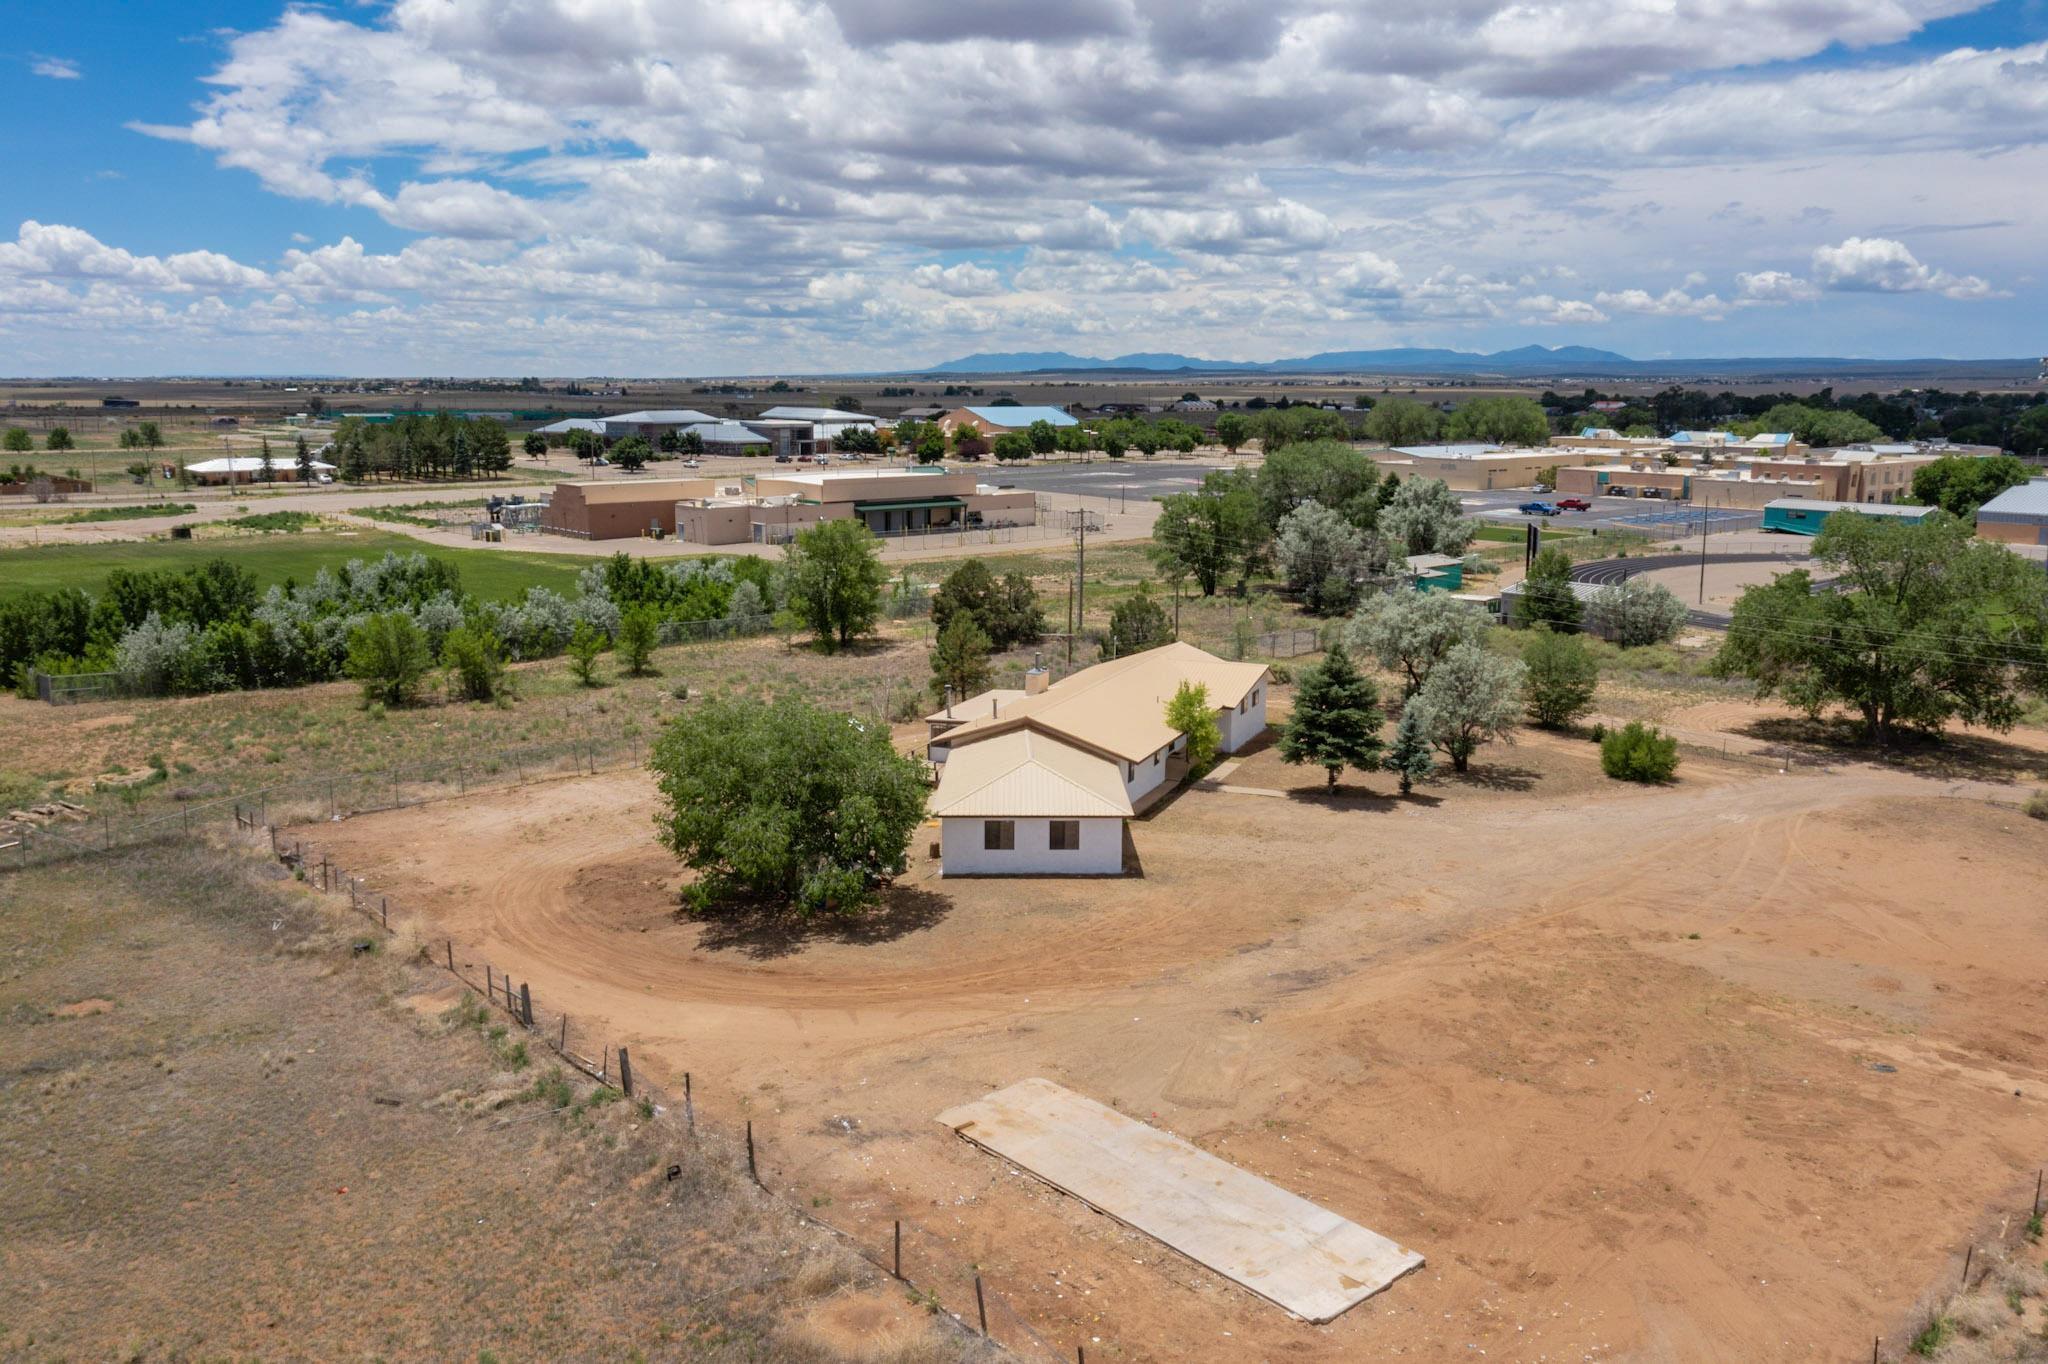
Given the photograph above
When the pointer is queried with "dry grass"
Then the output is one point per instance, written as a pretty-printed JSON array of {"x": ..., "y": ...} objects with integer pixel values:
[{"x": 230, "y": 1132}]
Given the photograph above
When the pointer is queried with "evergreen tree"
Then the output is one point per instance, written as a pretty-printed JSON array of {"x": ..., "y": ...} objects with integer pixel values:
[
  {"x": 1337, "y": 718},
  {"x": 1409, "y": 755},
  {"x": 960, "y": 659}
]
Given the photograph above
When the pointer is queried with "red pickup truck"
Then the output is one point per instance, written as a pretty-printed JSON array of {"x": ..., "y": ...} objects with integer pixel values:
[{"x": 1573, "y": 504}]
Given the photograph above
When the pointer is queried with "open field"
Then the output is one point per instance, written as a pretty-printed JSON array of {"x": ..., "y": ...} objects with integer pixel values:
[
  {"x": 227, "y": 1133},
  {"x": 492, "y": 574},
  {"x": 1721, "y": 1070}
]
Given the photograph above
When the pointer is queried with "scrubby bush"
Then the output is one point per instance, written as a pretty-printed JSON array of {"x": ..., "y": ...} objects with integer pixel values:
[
  {"x": 388, "y": 655},
  {"x": 584, "y": 647},
  {"x": 1638, "y": 752},
  {"x": 2037, "y": 804},
  {"x": 1562, "y": 676},
  {"x": 475, "y": 661},
  {"x": 1635, "y": 612},
  {"x": 158, "y": 658},
  {"x": 638, "y": 631}
]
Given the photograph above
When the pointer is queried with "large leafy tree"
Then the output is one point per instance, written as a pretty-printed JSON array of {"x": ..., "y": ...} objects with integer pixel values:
[
  {"x": 1925, "y": 625},
  {"x": 389, "y": 656},
  {"x": 835, "y": 580},
  {"x": 1410, "y": 632},
  {"x": 1814, "y": 425},
  {"x": 1005, "y": 608},
  {"x": 1959, "y": 484},
  {"x": 784, "y": 803},
  {"x": 1324, "y": 556},
  {"x": 1501, "y": 420},
  {"x": 1562, "y": 677},
  {"x": 1336, "y": 718},
  {"x": 1423, "y": 516},
  {"x": 1232, "y": 431},
  {"x": 1211, "y": 533},
  {"x": 1333, "y": 473},
  {"x": 1472, "y": 696},
  {"x": 1403, "y": 421}
]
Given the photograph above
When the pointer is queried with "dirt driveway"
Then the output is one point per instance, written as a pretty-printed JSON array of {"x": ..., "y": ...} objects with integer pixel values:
[{"x": 1610, "y": 1057}]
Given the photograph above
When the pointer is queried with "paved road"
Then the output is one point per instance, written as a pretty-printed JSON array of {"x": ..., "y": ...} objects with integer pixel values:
[{"x": 1606, "y": 572}]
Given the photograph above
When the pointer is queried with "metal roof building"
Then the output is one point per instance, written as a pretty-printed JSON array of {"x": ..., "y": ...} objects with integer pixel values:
[
  {"x": 2017, "y": 516},
  {"x": 1805, "y": 516}
]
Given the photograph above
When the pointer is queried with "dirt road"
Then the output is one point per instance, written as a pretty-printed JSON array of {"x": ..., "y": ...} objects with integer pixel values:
[{"x": 1608, "y": 1056}]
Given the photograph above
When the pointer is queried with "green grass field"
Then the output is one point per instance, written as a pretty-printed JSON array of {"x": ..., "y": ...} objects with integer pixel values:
[{"x": 491, "y": 575}]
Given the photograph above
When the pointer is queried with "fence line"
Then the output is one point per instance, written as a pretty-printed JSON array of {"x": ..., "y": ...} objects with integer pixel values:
[{"x": 931, "y": 1262}]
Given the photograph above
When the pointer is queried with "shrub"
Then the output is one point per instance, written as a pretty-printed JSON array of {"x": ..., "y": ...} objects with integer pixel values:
[
  {"x": 475, "y": 662},
  {"x": 1190, "y": 713},
  {"x": 637, "y": 633},
  {"x": 584, "y": 647},
  {"x": 1635, "y": 612},
  {"x": 1562, "y": 676},
  {"x": 388, "y": 655},
  {"x": 156, "y": 659},
  {"x": 2037, "y": 804},
  {"x": 1639, "y": 753}
]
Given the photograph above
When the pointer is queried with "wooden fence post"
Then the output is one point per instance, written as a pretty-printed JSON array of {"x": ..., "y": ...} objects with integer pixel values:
[
  {"x": 899, "y": 1248},
  {"x": 562, "y": 1044},
  {"x": 1968, "y": 1255},
  {"x": 525, "y": 1004},
  {"x": 384, "y": 909},
  {"x": 451, "y": 955},
  {"x": 753, "y": 1172},
  {"x": 980, "y": 1305},
  {"x": 625, "y": 1073},
  {"x": 689, "y": 1109}
]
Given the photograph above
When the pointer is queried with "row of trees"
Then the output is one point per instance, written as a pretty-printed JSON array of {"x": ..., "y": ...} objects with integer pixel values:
[
  {"x": 17, "y": 440},
  {"x": 2013, "y": 421},
  {"x": 421, "y": 446}
]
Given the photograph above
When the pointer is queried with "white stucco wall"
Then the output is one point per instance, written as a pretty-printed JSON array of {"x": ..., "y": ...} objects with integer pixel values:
[
  {"x": 961, "y": 852},
  {"x": 1145, "y": 775},
  {"x": 1239, "y": 730}
]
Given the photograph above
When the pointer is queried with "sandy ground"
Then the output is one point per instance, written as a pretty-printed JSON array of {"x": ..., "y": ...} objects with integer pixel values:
[{"x": 1605, "y": 1055}]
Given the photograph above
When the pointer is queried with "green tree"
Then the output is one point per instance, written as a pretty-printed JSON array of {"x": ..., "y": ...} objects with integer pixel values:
[
  {"x": 1925, "y": 624},
  {"x": 960, "y": 659},
  {"x": 59, "y": 438},
  {"x": 968, "y": 441},
  {"x": 535, "y": 444},
  {"x": 585, "y": 644},
  {"x": 1211, "y": 532},
  {"x": 1013, "y": 445},
  {"x": 1042, "y": 437},
  {"x": 931, "y": 445},
  {"x": 1423, "y": 516},
  {"x": 1635, "y": 612},
  {"x": 1331, "y": 472},
  {"x": 1408, "y": 756},
  {"x": 1136, "y": 624},
  {"x": 631, "y": 454},
  {"x": 785, "y": 803},
  {"x": 1959, "y": 484},
  {"x": 1006, "y": 609},
  {"x": 1501, "y": 421},
  {"x": 1638, "y": 753},
  {"x": 1410, "y": 632},
  {"x": 389, "y": 656},
  {"x": 17, "y": 440},
  {"x": 475, "y": 660},
  {"x": 1813, "y": 425},
  {"x": 639, "y": 629},
  {"x": 1472, "y": 696},
  {"x": 835, "y": 580},
  {"x": 1562, "y": 676},
  {"x": 1546, "y": 597},
  {"x": 1336, "y": 718},
  {"x": 150, "y": 434},
  {"x": 1188, "y": 711},
  {"x": 1232, "y": 431},
  {"x": 1403, "y": 421},
  {"x": 1323, "y": 557},
  {"x": 302, "y": 457}
]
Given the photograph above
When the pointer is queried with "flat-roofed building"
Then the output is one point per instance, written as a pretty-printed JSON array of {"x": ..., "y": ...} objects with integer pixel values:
[
  {"x": 768, "y": 508},
  {"x": 2017, "y": 516},
  {"x": 1806, "y": 516},
  {"x": 1470, "y": 466}
]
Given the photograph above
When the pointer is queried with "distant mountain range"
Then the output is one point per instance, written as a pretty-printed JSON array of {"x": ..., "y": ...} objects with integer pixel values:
[{"x": 1522, "y": 362}]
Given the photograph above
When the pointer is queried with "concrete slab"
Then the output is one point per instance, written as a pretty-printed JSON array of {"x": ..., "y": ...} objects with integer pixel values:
[{"x": 1286, "y": 1249}]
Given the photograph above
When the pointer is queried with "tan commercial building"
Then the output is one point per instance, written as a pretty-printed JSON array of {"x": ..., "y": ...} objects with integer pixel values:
[
  {"x": 1473, "y": 467},
  {"x": 769, "y": 508},
  {"x": 2017, "y": 516}
]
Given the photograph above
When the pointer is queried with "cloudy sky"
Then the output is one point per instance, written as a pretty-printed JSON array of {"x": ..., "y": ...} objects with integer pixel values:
[{"x": 749, "y": 186}]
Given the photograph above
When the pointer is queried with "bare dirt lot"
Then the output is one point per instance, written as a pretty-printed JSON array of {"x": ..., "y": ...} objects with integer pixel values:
[{"x": 1722, "y": 1070}]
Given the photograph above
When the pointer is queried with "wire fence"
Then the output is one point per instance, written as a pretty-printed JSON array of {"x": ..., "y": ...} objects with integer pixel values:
[{"x": 926, "y": 1261}]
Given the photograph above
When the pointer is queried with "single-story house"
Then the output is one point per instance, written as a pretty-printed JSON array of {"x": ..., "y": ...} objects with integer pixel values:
[
  {"x": 999, "y": 421},
  {"x": 2017, "y": 516},
  {"x": 251, "y": 469},
  {"x": 1073, "y": 759}
]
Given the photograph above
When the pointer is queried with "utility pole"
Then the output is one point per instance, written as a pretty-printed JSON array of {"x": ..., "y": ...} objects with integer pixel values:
[
  {"x": 1080, "y": 582},
  {"x": 1704, "y": 513}
]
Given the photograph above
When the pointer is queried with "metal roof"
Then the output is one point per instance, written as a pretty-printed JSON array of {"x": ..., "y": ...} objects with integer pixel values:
[
  {"x": 1119, "y": 707},
  {"x": 820, "y": 414},
  {"x": 671, "y": 416},
  {"x": 2028, "y": 500},
  {"x": 1463, "y": 450},
  {"x": 1020, "y": 417},
  {"x": 249, "y": 464},
  {"x": 726, "y": 433},
  {"x": 1867, "y": 508},
  {"x": 568, "y": 424},
  {"x": 1022, "y": 775}
]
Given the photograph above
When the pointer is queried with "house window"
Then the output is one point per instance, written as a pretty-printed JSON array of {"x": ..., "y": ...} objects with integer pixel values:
[
  {"x": 999, "y": 835},
  {"x": 1064, "y": 835},
  {"x": 1155, "y": 757}
]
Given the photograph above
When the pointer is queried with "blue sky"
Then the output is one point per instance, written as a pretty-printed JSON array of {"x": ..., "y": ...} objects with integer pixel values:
[{"x": 631, "y": 187}]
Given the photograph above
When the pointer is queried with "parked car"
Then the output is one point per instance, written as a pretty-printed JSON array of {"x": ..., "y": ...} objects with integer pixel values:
[
  {"x": 1573, "y": 504},
  {"x": 693, "y": 464},
  {"x": 784, "y": 459},
  {"x": 1537, "y": 509}
]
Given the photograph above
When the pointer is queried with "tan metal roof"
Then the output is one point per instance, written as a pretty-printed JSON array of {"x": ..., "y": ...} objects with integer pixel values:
[
  {"x": 1022, "y": 775},
  {"x": 1119, "y": 708},
  {"x": 977, "y": 707},
  {"x": 610, "y": 490}
]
